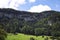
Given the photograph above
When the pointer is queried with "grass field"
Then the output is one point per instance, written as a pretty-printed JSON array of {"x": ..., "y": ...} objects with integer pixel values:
[{"x": 24, "y": 37}]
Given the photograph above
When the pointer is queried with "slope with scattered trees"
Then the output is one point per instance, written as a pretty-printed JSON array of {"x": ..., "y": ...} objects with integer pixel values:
[{"x": 44, "y": 23}]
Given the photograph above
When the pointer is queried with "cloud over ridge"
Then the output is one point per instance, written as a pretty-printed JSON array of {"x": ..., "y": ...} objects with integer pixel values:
[
  {"x": 15, "y": 4},
  {"x": 39, "y": 8}
]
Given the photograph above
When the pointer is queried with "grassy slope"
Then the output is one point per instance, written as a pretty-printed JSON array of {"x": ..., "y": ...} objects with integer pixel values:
[{"x": 23, "y": 37}]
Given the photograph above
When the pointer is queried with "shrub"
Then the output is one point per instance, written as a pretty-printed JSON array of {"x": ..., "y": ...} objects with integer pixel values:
[
  {"x": 3, "y": 34},
  {"x": 43, "y": 36},
  {"x": 32, "y": 38}
]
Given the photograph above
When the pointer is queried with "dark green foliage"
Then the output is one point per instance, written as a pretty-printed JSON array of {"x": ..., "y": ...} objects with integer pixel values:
[
  {"x": 58, "y": 38},
  {"x": 3, "y": 34},
  {"x": 27, "y": 30},
  {"x": 2, "y": 37},
  {"x": 32, "y": 38},
  {"x": 43, "y": 36},
  {"x": 39, "y": 31},
  {"x": 55, "y": 38},
  {"x": 52, "y": 37}
]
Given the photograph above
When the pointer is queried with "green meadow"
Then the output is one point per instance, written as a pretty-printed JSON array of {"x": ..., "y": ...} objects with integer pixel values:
[{"x": 25, "y": 37}]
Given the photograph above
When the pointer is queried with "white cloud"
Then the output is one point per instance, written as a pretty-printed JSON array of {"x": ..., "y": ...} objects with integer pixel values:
[
  {"x": 3, "y": 3},
  {"x": 39, "y": 8},
  {"x": 31, "y": 1},
  {"x": 16, "y": 3},
  {"x": 11, "y": 3}
]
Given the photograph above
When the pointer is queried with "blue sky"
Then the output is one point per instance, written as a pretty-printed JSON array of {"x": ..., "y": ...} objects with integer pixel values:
[{"x": 31, "y": 5}]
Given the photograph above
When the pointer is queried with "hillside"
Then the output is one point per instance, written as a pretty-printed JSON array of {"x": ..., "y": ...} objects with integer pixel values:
[{"x": 14, "y": 21}]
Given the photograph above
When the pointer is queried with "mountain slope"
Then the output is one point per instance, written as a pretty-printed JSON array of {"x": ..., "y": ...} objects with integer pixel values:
[{"x": 20, "y": 21}]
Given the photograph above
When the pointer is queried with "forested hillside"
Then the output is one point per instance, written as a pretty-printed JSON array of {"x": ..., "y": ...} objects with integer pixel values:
[{"x": 44, "y": 23}]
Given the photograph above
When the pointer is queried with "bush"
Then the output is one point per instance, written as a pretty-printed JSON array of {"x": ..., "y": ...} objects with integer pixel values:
[
  {"x": 52, "y": 37},
  {"x": 58, "y": 38},
  {"x": 2, "y": 37},
  {"x": 3, "y": 34},
  {"x": 31, "y": 38},
  {"x": 43, "y": 36},
  {"x": 39, "y": 31}
]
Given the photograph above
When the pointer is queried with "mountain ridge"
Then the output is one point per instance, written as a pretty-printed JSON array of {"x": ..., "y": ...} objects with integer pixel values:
[{"x": 10, "y": 9}]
